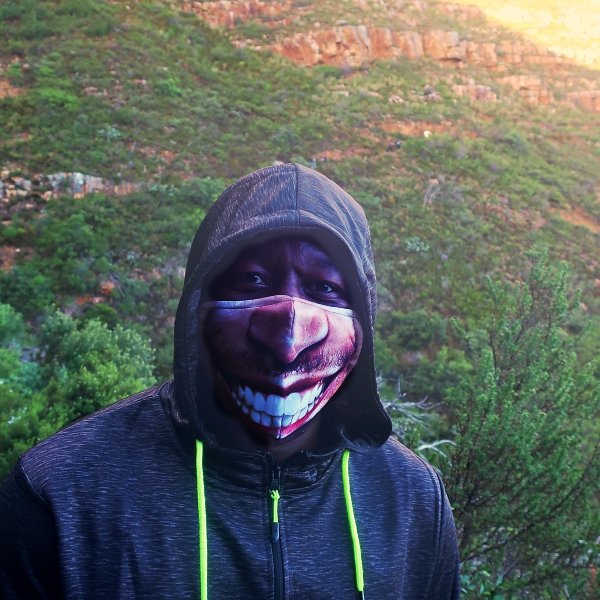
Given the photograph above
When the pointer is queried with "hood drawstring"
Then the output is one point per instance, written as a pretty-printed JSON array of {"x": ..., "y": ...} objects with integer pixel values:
[
  {"x": 201, "y": 523},
  {"x": 358, "y": 566},
  {"x": 202, "y": 538}
]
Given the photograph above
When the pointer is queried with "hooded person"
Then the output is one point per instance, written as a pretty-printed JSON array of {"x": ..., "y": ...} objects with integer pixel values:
[{"x": 265, "y": 468}]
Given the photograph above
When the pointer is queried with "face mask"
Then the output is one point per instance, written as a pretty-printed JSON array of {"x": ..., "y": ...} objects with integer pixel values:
[{"x": 278, "y": 360}]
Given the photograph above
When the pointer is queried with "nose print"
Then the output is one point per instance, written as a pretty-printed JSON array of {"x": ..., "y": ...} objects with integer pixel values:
[{"x": 287, "y": 328}]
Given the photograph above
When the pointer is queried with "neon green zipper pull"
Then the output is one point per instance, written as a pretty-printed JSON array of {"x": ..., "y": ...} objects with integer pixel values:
[{"x": 275, "y": 523}]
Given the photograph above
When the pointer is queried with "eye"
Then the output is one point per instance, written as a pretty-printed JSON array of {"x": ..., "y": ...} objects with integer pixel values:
[
  {"x": 328, "y": 293},
  {"x": 322, "y": 287},
  {"x": 249, "y": 281}
]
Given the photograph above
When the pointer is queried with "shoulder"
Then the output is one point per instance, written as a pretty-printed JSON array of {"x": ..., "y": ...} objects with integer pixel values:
[
  {"x": 395, "y": 461},
  {"x": 107, "y": 436},
  {"x": 399, "y": 473}
]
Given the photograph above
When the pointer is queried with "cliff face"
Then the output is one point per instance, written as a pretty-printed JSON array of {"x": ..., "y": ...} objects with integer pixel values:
[
  {"x": 354, "y": 46},
  {"x": 358, "y": 45}
]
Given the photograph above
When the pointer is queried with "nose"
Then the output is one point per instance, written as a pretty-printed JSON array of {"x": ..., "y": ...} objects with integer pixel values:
[{"x": 287, "y": 328}]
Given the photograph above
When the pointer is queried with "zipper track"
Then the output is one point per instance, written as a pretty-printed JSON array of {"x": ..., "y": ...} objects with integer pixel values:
[{"x": 274, "y": 495}]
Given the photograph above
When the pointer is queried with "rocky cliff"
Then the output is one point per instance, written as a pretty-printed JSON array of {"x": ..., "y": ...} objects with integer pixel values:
[{"x": 357, "y": 45}]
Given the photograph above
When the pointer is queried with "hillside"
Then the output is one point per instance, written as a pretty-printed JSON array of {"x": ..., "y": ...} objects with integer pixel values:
[{"x": 468, "y": 142}]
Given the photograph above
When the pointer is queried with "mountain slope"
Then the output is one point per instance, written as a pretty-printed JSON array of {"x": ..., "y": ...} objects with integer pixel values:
[{"x": 457, "y": 162}]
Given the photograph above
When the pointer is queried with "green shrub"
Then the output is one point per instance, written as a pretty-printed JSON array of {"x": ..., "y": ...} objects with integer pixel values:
[
  {"x": 57, "y": 98},
  {"x": 168, "y": 87},
  {"x": 79, "y": 367},
  {"x": 27, "y": 288},
  {"x": 524, "y": 472}
]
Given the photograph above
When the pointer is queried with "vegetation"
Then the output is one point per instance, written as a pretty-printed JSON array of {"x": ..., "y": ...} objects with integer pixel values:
[
  {"x": 476, "y": 374},
  {"x": 70, "y": 369},
  {"x": 93, "y": 251},
  {"x": 527, "y": 405}
]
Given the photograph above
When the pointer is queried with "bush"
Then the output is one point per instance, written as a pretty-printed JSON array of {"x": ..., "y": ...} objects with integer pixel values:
[
  {"x": 524, "y": 473},
  {"x": 26, "y": 288},
  {"x": 412, "y": 331},
  {"x": 57, "y": 98},
  {"x": 74, "y": 368}
]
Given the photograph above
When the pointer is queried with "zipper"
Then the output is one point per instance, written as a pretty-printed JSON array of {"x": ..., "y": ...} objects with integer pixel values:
[{"x": 274, "y": 493}]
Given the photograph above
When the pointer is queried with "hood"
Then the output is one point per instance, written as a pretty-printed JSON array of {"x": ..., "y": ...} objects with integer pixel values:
[{"x": 278, "y": 200}]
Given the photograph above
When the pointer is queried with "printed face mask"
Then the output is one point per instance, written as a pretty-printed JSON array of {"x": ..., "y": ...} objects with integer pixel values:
[{"x": 278, "y": 360}]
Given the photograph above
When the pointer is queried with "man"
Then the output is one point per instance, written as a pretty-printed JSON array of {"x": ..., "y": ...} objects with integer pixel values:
[{"x": 264, "y": 470}]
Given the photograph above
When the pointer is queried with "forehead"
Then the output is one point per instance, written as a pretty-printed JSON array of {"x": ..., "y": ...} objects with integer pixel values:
[{"x": 284, "y": 252}]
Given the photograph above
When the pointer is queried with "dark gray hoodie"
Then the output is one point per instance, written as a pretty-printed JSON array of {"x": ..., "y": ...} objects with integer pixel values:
[{"x": 107, "y": 508}]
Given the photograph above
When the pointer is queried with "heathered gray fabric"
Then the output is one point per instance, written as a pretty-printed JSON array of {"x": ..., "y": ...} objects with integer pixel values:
[{"x": 107, "y": 507}]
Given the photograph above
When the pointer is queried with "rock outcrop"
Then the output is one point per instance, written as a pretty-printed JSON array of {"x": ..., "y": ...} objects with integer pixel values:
[
  {"x": 14, "y": 188},
  {"x": 529, "y": 87},
  {"x": 356, "y": 45},
  {"x": 227, "y": 13},
  {"x": 475, "y": 91}
]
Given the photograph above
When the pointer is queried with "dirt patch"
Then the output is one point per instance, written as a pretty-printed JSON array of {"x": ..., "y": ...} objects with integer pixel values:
[
  {"x": 530, "y": 219},
  {"x": 7, "y": 90},
  {"x": 8, "y": 257},
  {"x": 578, "y": 216}
]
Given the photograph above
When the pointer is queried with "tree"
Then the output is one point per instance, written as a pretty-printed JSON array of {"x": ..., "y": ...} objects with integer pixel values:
[
  {"x": 524, "y": 473},
  {"x": 17, "y": 382},
  {"x": 73, "y": 368}
]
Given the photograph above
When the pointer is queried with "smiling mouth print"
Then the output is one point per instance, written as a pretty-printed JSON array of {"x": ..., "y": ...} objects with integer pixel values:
[
  {"x": 279, "y": 359},
  {"x": 273, "y": 411}
]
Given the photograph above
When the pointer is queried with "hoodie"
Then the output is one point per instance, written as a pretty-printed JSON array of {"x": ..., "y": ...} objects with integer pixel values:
[{"x": 127, "y": 504}]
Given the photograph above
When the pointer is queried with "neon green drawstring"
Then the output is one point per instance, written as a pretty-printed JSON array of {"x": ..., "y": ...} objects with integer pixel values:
[
  {"x": 360, "y": 583},
  {"x": 358, "y": 566},
  {"x": 201, "y": 523}
]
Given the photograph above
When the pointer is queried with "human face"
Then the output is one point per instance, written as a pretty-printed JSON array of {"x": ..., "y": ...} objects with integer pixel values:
[{"x": 281, "y": 334}]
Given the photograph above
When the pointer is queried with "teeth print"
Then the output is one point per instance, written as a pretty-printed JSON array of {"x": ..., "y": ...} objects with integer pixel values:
[
  {"x": 275, "y": 411},
  {"x": 259, "y": 402},
  {"x": 273, "y": 405},
  {"x": 293, "y": 403}
]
